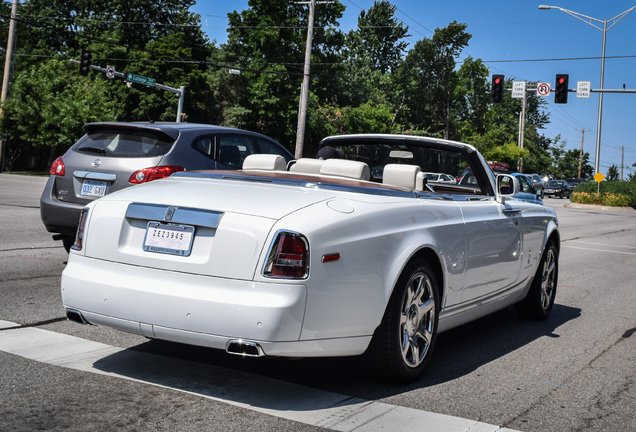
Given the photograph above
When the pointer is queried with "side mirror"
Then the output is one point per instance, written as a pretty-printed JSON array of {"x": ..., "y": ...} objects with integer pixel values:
[
  {"x": 540, "y": 193},
  {"x": 507, "y": 185}
]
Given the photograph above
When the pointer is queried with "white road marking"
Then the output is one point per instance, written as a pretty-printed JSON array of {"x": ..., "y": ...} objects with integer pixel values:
[
  {"x": 265, "y": 395},
  {"x": 599, "y": 250},
  {"x": 599, "y": 244}
]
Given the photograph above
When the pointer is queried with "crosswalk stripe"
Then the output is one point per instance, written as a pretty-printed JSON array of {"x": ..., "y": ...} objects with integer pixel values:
[{"x": 262, "y": 394}]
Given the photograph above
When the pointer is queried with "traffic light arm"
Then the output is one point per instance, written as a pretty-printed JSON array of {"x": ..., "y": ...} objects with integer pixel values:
[
  {"x": 534, "y": 89},
  {"x": 178, "y": 91}
]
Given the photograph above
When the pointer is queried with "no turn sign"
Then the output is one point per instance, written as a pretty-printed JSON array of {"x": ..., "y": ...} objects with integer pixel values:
[
  {"x": 543, "y": 89},
  {"x": 110, "y": 71}
]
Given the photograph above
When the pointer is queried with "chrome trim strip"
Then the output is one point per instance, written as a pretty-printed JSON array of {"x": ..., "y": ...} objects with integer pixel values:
[
  {"x": 87, "y": 175},
  {"x": 181, "y": 215}
]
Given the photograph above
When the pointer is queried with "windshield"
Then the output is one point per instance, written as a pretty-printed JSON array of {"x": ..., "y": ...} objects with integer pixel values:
[
  {"x": 127, "y": 144},
  {"x": 555, "y": 183},
  {"x": 432, "y": 161}
]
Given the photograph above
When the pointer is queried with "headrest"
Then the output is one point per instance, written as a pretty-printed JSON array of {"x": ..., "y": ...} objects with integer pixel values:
[
  {"x": 270, "y": 162},
  {"x": 405, "y": 176},
  {"x": 307, "y": 166},
  {"x": 346, "y": 168}
]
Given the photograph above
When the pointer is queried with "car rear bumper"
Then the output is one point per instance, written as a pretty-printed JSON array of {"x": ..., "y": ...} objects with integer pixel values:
[
  {"x": 195, "y": 309},
  {"x": 58, "y": 216}
]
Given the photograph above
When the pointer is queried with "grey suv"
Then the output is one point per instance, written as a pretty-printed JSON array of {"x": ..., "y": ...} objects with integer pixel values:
[{"x": 113, "y": 156}]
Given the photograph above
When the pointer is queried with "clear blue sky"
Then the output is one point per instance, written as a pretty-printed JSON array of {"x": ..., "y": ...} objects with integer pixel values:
[{"x": 518, "y": 40}]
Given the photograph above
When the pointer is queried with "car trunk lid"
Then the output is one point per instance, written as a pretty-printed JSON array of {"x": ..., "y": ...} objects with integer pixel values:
[{"x": 221, "y": 225}]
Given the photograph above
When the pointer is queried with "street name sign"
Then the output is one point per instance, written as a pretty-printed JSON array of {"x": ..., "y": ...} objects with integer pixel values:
[
  {"x": 138, "y": 79},
  {"x": 518, "y": 89},
  {"x": 583, "y": 89}
]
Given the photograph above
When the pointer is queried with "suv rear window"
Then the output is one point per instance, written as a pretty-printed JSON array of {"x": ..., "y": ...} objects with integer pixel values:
[{"x": 125, "y": 144}]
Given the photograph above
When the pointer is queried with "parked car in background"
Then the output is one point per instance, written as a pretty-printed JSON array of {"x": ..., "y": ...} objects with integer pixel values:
[
  {"x": 440, "y": 178},
  {"x": 537, "y": 181},
  {"x": 557, "y": 188},
  {"x": 315, "y": 259},
  {"x": 114, "y": 155},
  {"x": 574, "y": 181},
  {"x": 527, "y": 191}
]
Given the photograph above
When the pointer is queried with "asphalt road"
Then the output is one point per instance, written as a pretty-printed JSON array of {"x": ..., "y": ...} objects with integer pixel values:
[{"x": 574, "y": 372}]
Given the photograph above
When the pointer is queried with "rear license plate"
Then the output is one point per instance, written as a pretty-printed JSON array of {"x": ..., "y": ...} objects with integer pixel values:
[
  {"x": 169, "y": 239},
  {"x": 93, "y": 188}
]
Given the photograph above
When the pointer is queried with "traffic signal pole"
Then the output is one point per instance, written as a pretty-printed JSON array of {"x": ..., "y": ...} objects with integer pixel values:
[{"x": 180, "y": 91}]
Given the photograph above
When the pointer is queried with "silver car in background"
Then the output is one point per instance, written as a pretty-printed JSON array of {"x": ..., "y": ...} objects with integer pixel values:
[{"x": 115, "y": 155}]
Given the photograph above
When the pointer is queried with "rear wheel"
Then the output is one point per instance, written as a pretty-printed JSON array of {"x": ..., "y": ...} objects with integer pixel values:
[
  {"x": 540, "y": 298},
  {"x": 403, "y": 343}
]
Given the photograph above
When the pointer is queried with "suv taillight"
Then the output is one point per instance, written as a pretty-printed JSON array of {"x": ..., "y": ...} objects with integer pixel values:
[
  {"x": 288, "y": 257},
  {"x": 149, "y": 174},
  {"x": 57, "y": 168},
  {"x": 81, "y": 230}
]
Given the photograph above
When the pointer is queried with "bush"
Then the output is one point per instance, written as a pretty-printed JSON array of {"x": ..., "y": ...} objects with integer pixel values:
[{"x": 612, "y": 194}]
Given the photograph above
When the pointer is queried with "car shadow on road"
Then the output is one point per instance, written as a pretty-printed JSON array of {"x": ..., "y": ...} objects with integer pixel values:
[{"x": 458, "y": 353}]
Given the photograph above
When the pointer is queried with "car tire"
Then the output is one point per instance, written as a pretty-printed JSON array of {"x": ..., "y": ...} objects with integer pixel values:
[
  {"x": 539, "y": 301},
  {"x": 403, "y": 343},
  {"x": 68, "y": 241}
]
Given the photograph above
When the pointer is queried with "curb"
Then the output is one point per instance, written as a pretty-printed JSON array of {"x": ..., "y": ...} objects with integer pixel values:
[{"x": 597, "y": 207}]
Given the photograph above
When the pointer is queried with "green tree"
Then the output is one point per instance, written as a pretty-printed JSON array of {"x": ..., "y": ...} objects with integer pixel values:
[
  {"x": 378, "y": 43},
  {"x": 54, "y": 115},
  {"x": 150, "y": 39},
  {"x": 471, "y": 98},
  {"x": 266, "y": 42},
  {"x": 612, "y": 174},
  {"x": 372, "y": 51},
  {"x": 431, "y": 79}
]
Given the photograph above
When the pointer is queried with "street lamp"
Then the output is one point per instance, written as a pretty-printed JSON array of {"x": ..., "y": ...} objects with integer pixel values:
[{"x": 588, "y": 20}]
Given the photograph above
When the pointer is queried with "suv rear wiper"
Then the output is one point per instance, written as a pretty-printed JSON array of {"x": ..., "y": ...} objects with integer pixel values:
[{"x": 92, "y": 150}]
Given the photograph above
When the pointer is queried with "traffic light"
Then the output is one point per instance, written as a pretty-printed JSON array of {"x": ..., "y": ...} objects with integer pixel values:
[
  {"x": 561, "y": 89},
  {"x": 85, "y": 63},
  {"x": 496, "y": 94}
]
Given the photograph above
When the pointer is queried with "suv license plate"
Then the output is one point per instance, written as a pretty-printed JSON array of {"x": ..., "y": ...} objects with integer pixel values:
[
  {"x": 169, "y": 239},
  {"x": 93, "y": 188}
]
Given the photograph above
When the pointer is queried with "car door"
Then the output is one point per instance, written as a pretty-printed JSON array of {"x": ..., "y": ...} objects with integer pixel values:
[{"x": 493, "y": 246}]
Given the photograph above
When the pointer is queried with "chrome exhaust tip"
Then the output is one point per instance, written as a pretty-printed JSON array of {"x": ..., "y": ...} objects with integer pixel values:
[
  {"x": 75, "y": 316},
  {"x": 244, "y": 348}
]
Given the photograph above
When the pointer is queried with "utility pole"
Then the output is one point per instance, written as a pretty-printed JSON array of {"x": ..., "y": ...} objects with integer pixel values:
[
  {"x": 304, "y": 89},
  {"x": 581, "y": 154},
  {"x": 7, "y": 72},
  {"x": 622, "y": 159}
]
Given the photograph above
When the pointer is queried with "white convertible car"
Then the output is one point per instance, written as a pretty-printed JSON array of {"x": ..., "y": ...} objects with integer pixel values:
[{"x": 318, "y": 258}]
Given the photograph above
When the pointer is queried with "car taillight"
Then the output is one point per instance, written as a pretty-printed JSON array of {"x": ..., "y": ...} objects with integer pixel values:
[
  {"x": 81, "y": 229},
  {"x": 288, "y": 257},
  {"x": 57, "y": 168},
  {"x": 149, "y": 174}
]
